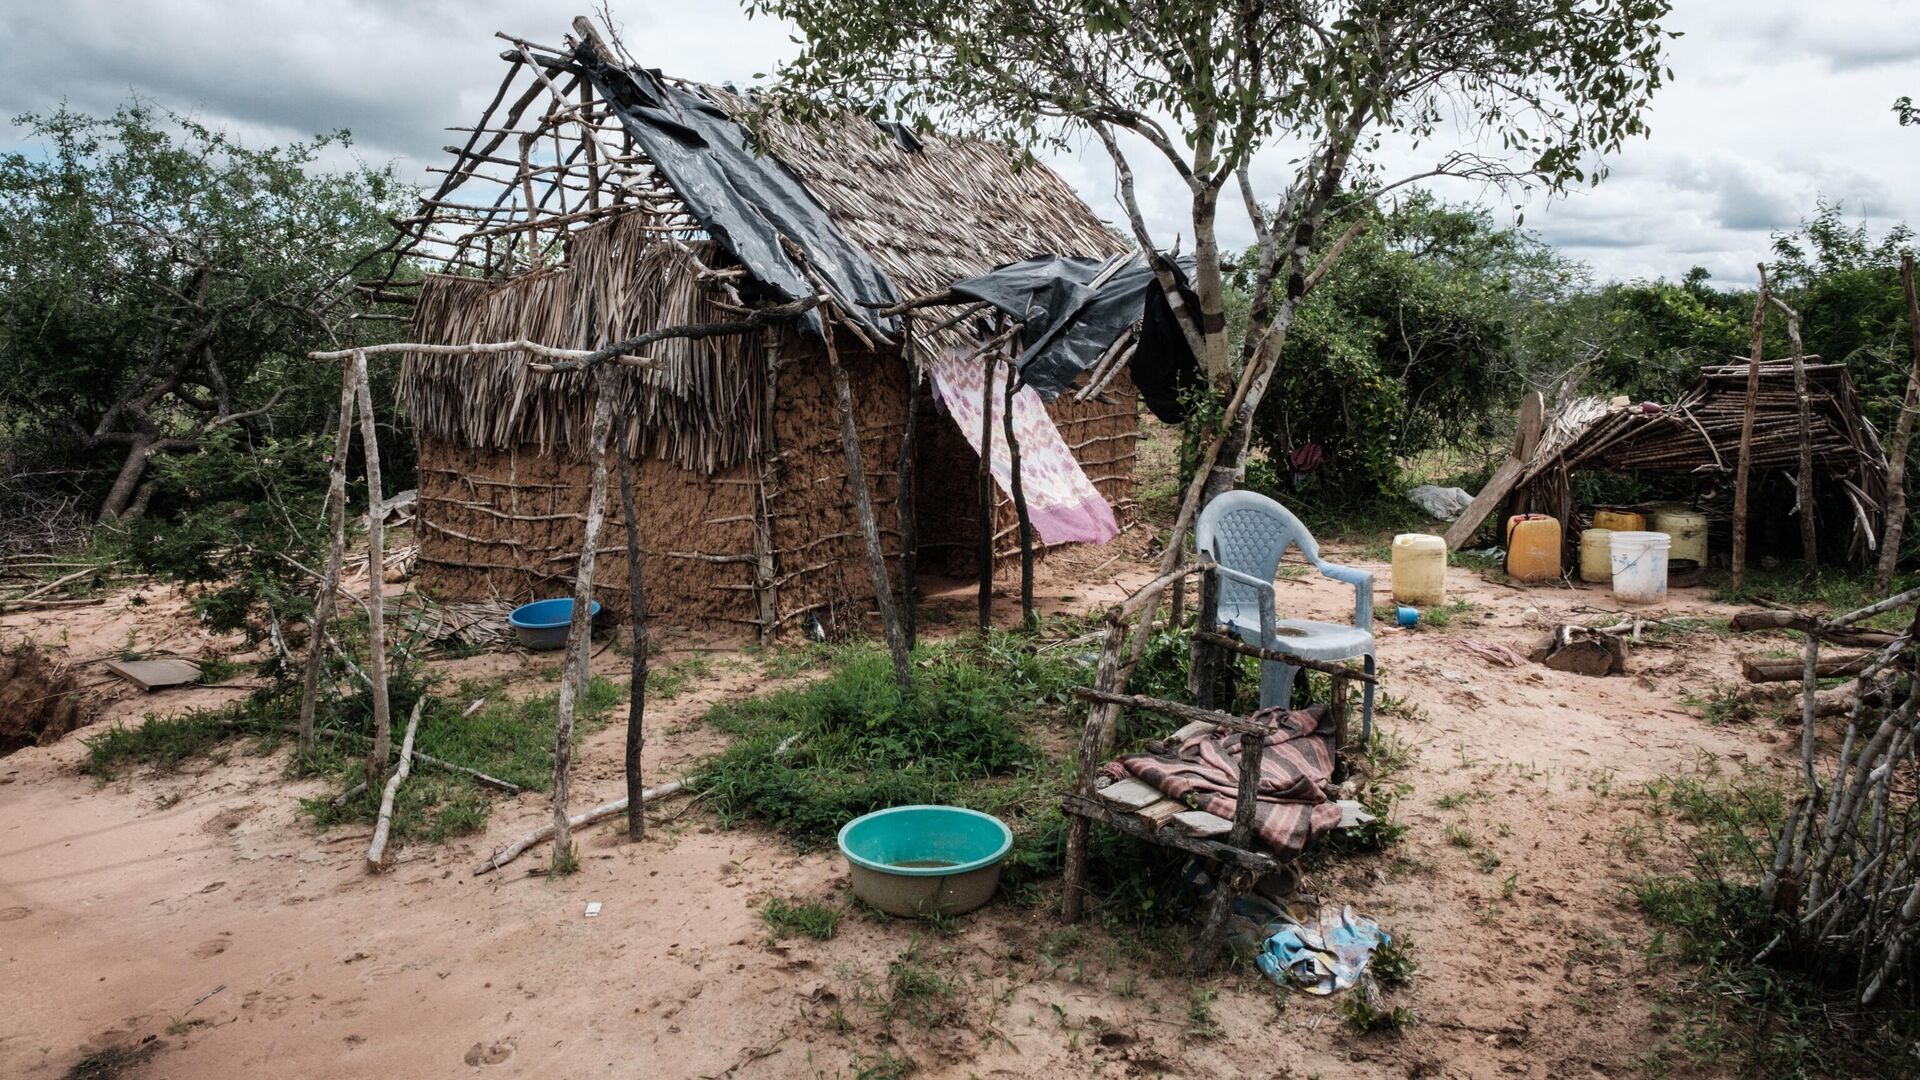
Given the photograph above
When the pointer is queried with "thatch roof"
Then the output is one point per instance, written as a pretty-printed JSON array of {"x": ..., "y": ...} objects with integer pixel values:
[
  {"x": 1699, "y": 434},
  {"x": 948, "y": 209}
]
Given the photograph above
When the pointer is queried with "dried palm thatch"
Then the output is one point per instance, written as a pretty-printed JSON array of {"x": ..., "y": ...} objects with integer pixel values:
[{"x": 1699, "y": 434}]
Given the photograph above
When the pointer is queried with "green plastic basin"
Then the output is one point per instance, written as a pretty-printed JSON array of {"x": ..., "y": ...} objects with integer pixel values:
[{"x": 925, "y": 860}]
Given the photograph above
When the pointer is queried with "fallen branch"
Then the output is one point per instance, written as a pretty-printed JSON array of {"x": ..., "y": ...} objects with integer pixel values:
[
  {"x": 385, "y": 822},
  {"x": 599, "y": 813}
]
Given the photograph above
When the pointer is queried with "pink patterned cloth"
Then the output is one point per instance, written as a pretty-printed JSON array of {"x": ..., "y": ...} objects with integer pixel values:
[{"x": 1063, "y": 504}]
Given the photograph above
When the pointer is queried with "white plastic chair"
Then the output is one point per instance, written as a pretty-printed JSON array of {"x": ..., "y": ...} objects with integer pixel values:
[{"x": 1247, "y": 534}]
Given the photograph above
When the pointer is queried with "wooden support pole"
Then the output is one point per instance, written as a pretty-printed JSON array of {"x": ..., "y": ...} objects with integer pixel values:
[
  {"x": 1745, "y": 465},
  {"x": 324, "y": 601},
  {"x": 984, "y": 553},
  {"x": 1227, "y": 880},
  {"x": 1028, "y": 618},
  {"x": 376, "y": 575},
  {"x": 377, "y": 850},
  {"x": 637, "y": 684},
  {"x": 1896, "y": 509},
  {"x": 1803, "y": 504},
  {"x": 863, "y": 509},
  {"x": 573, "y": 683},
  {"x": 903, "y": 489}
]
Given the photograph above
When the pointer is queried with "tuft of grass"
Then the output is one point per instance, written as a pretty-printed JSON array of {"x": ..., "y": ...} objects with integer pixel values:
[
  {"x": 1439, "y": 618},
  {"x": 920, "y": 995},
  {"x": 1200, "y": 1020},
  {"x": 217, "y": 669},
  {"x": 665, "y": 684},
  {"x": 1366, "y": 1014},
  {"x": 1393, "y": 964},
  {"x": 801, "y": 918}
]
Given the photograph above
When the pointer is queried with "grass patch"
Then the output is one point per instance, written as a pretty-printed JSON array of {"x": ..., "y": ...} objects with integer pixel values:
[
  {"x": 858, "y": 743},
  {"x": 1828, "y": 589},
  {"x": 801, "y": 918},
  {"x": 665, "y": 684},
  {"x": 1793, "y": 1018},
  {"x": 1439, "y": 618}
]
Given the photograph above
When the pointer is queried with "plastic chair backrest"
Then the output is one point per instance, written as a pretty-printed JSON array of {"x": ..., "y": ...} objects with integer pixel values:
[{"x": 1248, "y": 532}]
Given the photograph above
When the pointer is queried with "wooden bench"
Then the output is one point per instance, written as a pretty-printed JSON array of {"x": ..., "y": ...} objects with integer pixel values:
[{"x": 1140, "y": 810}]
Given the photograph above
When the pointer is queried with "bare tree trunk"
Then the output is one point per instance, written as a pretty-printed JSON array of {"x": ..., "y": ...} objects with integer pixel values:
[
  {"x": 637, "y": 684},
  {"x": 573, "y": 683},
  {"x": 323, "y": 602},
  {"x": 1745, "y": 466},
  {"x": 376, "y": 577},
  {"x": 1027, "y": 616},
  {"x": 128, "y": 480},
  {"x": 1902, "y": 439},
  {"x": 863, "y": 509}
]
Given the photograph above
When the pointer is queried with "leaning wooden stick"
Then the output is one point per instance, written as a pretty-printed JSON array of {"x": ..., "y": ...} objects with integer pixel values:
[
  {"x": 378, "y": 849},
  {"x": 376, "y": 578},
  {"x": 1027, "y": 616},
  {"x": 573, "y": 684},
  {"x": 329, "y": 594},
  {"x": 1902, "y": 439},
  {"x": 1745, "y": 464},
  {"x": 637, "y": 676}
]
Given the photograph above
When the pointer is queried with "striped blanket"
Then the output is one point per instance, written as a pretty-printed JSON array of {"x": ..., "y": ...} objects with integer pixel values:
[{"x": 1296, "y": 770}]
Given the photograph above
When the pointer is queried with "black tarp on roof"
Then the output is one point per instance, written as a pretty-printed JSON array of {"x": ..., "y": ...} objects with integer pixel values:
[
  {"x": 1070, "y": 324},
  {"x": 745, "y": 201}
]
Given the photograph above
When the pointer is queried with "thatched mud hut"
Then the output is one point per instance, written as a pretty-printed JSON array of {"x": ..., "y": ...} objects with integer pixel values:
[
  {"x": 1695, "y": 440},
  {"x": 561, "y": 222}
]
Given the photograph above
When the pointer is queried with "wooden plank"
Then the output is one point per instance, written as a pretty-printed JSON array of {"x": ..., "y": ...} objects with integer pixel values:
[
  {"x": 1201, "y": 823},
  {"x": 1490, "y": 496},
  {"x": 1130, "y": 794},
  {"x": 1159, "y": 813},
  {"x": 1094, "y": 810},
  {"x": 156, "y": 674}
]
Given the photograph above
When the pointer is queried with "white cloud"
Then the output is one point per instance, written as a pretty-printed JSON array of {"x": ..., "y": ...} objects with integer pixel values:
[{"x": 1774, "y": 104}]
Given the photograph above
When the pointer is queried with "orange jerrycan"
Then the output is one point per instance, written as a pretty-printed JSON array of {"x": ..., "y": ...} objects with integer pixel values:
[{"x": 1533, "y": 548}]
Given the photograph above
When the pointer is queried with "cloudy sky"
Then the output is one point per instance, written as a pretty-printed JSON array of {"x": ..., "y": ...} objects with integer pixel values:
[{"x": 1775, "y": 102}]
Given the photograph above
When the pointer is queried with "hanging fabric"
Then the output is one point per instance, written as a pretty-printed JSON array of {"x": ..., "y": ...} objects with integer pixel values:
[{"x": 1061, "y": 500}]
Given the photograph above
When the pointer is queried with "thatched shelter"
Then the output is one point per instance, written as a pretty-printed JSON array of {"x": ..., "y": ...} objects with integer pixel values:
[
  {"x": 554, "y": 225},
  {"x": 1696, "y": 440}
]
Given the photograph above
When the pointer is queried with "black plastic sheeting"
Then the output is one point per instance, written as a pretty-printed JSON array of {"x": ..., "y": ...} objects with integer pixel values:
[
  {"x": 1070, "y": 324},
  {"x": 746, "y": 202}
]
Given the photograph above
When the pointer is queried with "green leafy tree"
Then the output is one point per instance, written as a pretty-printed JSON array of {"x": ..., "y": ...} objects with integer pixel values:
[
  {"x": 1200, "y": 87},
  {"x": 159, "y": 283},
  {"x": 1431, "y": 323}
]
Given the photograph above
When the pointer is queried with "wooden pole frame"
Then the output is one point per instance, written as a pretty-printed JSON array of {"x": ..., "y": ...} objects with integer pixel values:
[
  {"x": 1745, "y": 466},
  {"x": 637, "y": 674},
  {"x": 1028, "y": 618},
  {"x": 376, "y": 576},
  {"x": 1896, "y": 510},
  {"x": 329, "y": 594}
]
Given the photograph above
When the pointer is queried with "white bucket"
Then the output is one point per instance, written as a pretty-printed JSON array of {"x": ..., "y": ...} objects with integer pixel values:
[{"x": 1640, "y": 566}]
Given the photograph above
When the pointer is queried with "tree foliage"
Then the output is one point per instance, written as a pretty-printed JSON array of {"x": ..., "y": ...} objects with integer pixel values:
[
  {"x": 159, "y": 282},
  {"x": 1205, "y": 85}
]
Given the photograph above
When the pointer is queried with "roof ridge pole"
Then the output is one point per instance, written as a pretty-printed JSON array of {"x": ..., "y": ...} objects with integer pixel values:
[{"x": 1745, "y": 465}]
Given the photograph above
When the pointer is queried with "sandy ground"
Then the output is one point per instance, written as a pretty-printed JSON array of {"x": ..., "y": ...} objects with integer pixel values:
[{"x": 124, "y": 904}]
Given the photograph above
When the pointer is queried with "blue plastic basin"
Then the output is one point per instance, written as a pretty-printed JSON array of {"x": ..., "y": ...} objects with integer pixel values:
[
  {"x": 925, "y": 860},
  {"x": 543, "y": 624}
]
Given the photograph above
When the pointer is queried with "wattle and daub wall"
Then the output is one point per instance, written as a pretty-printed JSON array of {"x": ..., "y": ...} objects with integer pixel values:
[{"x": 740, "y": 480}]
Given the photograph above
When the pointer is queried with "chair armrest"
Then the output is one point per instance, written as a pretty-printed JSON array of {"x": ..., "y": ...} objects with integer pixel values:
[{"x": 1362, "y": 582}]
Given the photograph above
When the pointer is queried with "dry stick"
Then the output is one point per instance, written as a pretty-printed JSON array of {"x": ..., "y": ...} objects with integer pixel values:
[
  {"x": 637, "y": 686},
  {"x": 376, "y": 580},
  {"x": 324, "y": 602},
  {"x": 1027, "y": 616},
  {"x": 903, "y": 490},
  {"x": 863, "y": 509},
  {"x": 1803, "y": 497},
  {"x": 1745, "y": 465},
  {"x": 378, "y": 849},
  {"x": 580, "y": 630},
  {"x": 600, "y": 813},
  {"x": 52, "y": 585},
  {"x": 984, "y": 553},
  {"x": 1896, "y": 509}
]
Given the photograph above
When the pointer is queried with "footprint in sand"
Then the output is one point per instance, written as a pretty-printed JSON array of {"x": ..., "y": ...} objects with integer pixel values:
[
  {"x": 483, "y": 1054},
  {"x": 14, "y": 914},
  {"x": 207, "y": 949}
]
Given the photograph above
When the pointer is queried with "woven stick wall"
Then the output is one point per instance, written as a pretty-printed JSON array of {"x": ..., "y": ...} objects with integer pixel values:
[{"x": 1699, "y": 435}]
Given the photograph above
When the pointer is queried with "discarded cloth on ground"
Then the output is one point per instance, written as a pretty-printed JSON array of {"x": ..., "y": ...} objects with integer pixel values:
[
  {"x": 1444, "y": 503},
  {"x": 1329, "y": 952},
  {"x": 1062, "y": 502},
  {"x": 1296, "y": 770}
]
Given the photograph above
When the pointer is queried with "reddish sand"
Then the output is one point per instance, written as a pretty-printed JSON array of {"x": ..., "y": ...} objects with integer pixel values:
[{"x": 122, "y": 904}]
